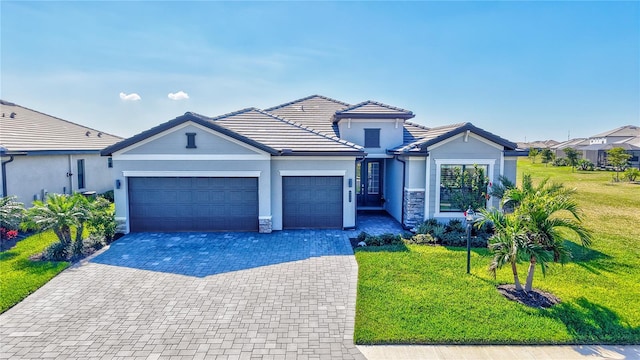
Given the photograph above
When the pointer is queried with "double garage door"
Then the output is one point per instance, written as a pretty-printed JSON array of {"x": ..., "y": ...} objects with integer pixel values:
[
  {"x": 193, "y": 204},
  {"x": 230, "y": 204}
]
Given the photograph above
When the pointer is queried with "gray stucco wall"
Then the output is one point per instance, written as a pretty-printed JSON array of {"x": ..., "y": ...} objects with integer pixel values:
[
  {"x": 175, "y": 142},
  {"x": 28, "y": 176},
  {"x": 189, "y": 168},
  {"x": 390, "y": 135},
  {"x": 471, "y": 152},
  {"x": 306, "y": 166},
  {"x": 511, "y": 168},
  {"x": 393, "y": 188}
]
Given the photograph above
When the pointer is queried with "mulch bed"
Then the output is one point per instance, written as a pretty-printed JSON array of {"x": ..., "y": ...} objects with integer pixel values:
[{"x": 534, "y": 298}]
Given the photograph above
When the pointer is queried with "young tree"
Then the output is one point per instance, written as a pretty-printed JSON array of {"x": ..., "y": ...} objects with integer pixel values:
[
  {"x": 533, "y": 154},
  {"x": 546, "y": 155},
  {"x": 618, "y": 158},
  {"x": 572, "y": 157},
  {"x": 532, "y": 232},
  {"x": 11, "y": 212},
  {"x": 59, "y": 213}
]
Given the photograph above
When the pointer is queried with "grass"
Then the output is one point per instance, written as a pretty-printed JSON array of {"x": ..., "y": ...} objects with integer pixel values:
[
  {"x": 21, "y": 276},
  {"x": 421, "y": 294}
]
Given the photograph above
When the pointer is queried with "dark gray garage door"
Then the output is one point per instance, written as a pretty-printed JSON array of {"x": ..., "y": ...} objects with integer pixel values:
[
  {"x": 193, "y": 204},
  {"x": 312, "y": 202}
]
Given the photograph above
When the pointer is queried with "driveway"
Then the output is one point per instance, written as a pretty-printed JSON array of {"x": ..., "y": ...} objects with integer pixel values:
[{"x": 286, "y": 295}]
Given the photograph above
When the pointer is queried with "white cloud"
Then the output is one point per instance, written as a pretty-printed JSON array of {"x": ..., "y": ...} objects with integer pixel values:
[
  {"x": 130, "y": 97},
  {"x": 180, "y": 95}
]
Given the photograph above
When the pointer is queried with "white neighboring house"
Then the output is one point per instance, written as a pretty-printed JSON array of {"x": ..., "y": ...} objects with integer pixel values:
[{"x": 44, "y": 154}]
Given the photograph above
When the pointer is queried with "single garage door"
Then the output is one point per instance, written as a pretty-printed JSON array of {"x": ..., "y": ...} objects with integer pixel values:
[
  {"x": 193, "y": 204},
  {"x": 312, "y": 202}
]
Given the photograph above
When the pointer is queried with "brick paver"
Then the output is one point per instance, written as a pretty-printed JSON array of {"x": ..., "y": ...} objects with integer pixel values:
[{"x": 286, "y": 295}]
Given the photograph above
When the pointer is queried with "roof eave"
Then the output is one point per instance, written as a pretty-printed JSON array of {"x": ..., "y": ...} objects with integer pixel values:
[
  {"x": 338, "y": 117},
  {"x": 323, "y": 153}
]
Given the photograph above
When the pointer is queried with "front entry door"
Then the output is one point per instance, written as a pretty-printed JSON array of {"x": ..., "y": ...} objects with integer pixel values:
[{"x": 369, "y": 175}]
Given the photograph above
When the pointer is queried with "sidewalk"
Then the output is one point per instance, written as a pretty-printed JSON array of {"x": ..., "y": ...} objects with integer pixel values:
[{"x": 499, "y": 352}]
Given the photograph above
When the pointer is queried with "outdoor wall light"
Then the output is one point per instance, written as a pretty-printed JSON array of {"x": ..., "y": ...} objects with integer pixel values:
[
  {"x": 118, "y": 184},
  {"x": 350, "y": 182}
]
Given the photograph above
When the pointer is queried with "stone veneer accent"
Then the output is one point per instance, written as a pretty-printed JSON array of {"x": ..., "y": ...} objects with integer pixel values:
[
  {"x": 264, "y": 225},
  {"x": 121, "y": 225},
  {"x": 413, "y": 208}
]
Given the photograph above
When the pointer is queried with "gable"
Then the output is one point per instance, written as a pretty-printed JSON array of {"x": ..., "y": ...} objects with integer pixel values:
[
  {"x": 174, "y": 141},
  {"x": 465, "y": 146}
]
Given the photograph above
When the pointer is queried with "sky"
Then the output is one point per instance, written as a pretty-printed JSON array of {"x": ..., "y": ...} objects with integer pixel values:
[{"x": 522, "y": 70}]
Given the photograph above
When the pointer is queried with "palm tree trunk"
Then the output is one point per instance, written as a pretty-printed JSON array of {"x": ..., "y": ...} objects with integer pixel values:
[
  {"x": 532, "y": 269},
  {"x": 516, "y": 279}
]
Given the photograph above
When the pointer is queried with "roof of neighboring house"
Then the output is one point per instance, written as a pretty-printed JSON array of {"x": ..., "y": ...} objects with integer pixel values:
[
  {"x": 571, "y": 143},
  {"x": 541, "y": 144},
  {"x": 371, "y": 109},
  {"x": 26, "y": 130},
  {"x": 259, "y": 129},
  {"x": 610, "y": 146},
  {"x": 438, "y": 134},
  {"x": 627, "y": 130}
]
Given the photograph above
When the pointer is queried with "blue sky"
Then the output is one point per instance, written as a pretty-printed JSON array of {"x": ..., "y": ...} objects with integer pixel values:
[{"x": 518, "y": 69}]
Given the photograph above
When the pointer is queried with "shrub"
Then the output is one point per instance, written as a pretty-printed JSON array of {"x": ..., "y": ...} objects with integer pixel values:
[
  {"x": 632, "y": 174},
  {"x": 102, "y": 222},
  {"x": 559, "y": 162},
  {"x": 381, "y": 240},
  {"x": 6, "y": 234},
  {"x": 585, "y": 165},
  {"x": 108, "y": 195},
  {"x": 423, "y": 239},
  {"x": 438, "y": 231},
  {"x": 455, "y": 225},
  {"x": 454, "y": 238},
  {"x": 58, "y": 251}
]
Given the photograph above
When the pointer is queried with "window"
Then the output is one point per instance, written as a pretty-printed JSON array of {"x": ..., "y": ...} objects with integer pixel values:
[
  {"x": 463, "y": 185},
  {"x": 109, "y": 162},
  {"x": 191, "y": 140},
  {"x": 372, "y": 138},
  {"x": 358, "y": 178},
  {"x": 81, "y": 183}
]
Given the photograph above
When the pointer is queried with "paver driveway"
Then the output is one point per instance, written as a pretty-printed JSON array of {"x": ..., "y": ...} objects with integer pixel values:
[{"x": 289, "y": 295}]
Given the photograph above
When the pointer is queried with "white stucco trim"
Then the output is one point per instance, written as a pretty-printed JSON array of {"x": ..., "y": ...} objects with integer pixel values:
[
  {"x": 183, "y": 157},
  {"x": 264, "y": 217},
  {"x": 134, "y": 173},
  {"x": 358, "y": 120},
  {"x": 463, "y": 134},
  {"x": 501, "y": 164},
  {"x": 379, "y": 156},
  {"x": 313, "y": 158},
  {"x": 414, "y": 189},
  {"x": 427, "y": 194},
  {"x": 313, "y": 172},
  {"x": 182, "y": 126},
  {"x": 489, "y": 162}
]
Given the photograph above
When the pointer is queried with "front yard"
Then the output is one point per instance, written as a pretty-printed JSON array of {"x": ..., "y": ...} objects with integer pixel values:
[{"x": 421, "y": 294}]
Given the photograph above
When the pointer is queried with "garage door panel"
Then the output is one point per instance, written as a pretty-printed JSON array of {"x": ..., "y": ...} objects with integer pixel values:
[
  {"x": 193, "y": 204},
  {"x": 312, "y": 202}
]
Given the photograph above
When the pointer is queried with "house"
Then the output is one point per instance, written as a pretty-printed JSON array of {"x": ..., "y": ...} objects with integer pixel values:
[
  {"x": 42, "y": 153},
  {"x": 309, "y": 163},
  {"x": 595, "y": 147}
]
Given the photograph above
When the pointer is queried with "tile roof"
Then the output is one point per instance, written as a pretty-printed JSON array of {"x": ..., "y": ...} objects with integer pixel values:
[
  {"x": 413, "y": 132},
  {"x": 627, "y": 130},
  {"x": 23, "y": 130},
  {"x": 571, "y": 143},
  {"x": 372, "y": 109},
  {"x": 282, "y": 134},
  {"x": 437, "y": 134},
  {"x": 313, "y": 111}
]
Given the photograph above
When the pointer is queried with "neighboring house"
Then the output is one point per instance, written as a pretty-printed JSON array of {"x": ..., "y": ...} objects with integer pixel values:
[
  {"x": 595, "y": 147},
  {"x": 43, "y": 154},
  {"x": 545, "y": 144},
  {"x": 309, "y": 163}
]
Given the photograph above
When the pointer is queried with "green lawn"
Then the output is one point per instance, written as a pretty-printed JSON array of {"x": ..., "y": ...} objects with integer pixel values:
[
  {"x": 20, "y": 276},
  {"x": 421, "y": 294}
]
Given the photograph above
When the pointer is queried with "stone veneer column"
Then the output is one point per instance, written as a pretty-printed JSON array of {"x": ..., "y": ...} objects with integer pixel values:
[
  {"x": 264, "y": 225},
  {"x": 413, "y": 208}
]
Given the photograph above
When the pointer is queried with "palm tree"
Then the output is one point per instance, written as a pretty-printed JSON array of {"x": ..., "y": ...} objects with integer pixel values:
[
  {"x": 531, "y": 232},
  {"x": 59, "y": 213},
  {"x": 11, "y": 212}
]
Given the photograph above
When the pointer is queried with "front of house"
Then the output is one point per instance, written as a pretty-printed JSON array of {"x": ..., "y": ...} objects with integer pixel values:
[{"x": 309, "y": 163}]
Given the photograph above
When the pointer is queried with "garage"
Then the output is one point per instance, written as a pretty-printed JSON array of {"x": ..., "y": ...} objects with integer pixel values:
[
  {"x": 312, "y": 202},
  {"x": 193, "y": 204}
]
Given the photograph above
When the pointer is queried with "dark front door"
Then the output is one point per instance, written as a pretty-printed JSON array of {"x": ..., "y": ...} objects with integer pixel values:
[{"x": 369, "y": 183}]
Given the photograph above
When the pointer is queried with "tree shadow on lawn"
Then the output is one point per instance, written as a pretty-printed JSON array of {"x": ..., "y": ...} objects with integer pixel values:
[
  {"x": 591, "y": 260},
  {"x": 590, "y": 323}
]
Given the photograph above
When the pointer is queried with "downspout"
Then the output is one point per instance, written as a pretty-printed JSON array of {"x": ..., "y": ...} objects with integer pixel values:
[
  {"x": 404, "y": 178},
  {"x": 4, "y": 175}
]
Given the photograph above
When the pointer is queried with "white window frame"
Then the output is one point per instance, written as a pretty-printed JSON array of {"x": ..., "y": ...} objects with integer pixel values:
[{"x": 439, "y": 162}]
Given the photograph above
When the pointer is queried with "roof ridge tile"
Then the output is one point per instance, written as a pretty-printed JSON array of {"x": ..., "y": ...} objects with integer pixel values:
[
  {"x": 367, "y": 102},
  {"x": 304, "y": 99}
]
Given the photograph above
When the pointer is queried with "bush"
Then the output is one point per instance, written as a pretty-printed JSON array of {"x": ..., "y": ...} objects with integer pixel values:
[
  {"x": 455, "y": 225},
  {"x": 58, "y": 251},
  {"x": 559, "y": 162},
  {"x": 438, "y": 231},
  {"x": 423, "y": 239},
  {"x": 108, "y": 195},
  {"x": 102, "y": 222},
  {"x": 381, "y": 240},
  {"x": 585, "y": 165},
  {"x": 632, "y": 174},
  {"x": 454, "y": 238}
]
